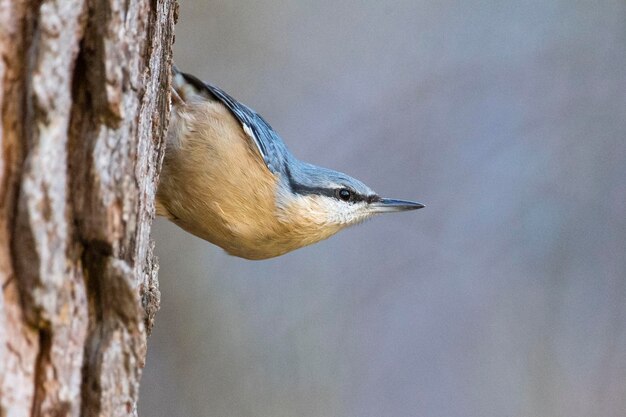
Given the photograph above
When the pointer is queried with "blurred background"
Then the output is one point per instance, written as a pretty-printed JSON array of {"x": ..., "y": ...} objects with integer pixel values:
[{"x": 505, "y": 296}]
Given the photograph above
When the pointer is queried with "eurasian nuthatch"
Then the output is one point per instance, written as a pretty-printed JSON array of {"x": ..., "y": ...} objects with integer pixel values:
[{"x": 228, "y": 178}]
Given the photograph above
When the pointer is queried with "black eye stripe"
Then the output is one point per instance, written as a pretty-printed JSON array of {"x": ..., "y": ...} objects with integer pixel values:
[
  {"x": 302, "y": 189},
  {"x": 354, "y": 197},
  {"x": 372, "y": 198}
]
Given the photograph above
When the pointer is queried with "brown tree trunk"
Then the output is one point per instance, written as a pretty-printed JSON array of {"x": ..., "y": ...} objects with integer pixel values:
[{"x": 84, "y": 103}]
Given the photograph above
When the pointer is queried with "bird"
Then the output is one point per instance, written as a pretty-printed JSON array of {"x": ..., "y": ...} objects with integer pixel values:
[{"x": 228, "y": 178}]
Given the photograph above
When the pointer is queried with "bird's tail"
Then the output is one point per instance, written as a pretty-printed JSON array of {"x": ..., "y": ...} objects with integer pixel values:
[
  {"x": 178, "y": 86},
  {"x": 185, "y": 87}
]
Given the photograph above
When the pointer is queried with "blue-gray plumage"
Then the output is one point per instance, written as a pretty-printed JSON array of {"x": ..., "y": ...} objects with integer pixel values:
[
  {"x": 270, "y": 145},
  {"x": 229, "y": 178}
]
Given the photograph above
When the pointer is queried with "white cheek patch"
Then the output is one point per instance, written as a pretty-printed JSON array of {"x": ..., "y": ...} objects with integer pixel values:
[
  {"x": 321, "y": 210},
  {"x": 337, "y": 212},
  {"x": 351, "y": 213}
]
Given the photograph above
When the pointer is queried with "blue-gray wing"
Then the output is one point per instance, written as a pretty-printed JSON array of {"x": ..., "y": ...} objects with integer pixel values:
[{"x": 270, "y": 145}]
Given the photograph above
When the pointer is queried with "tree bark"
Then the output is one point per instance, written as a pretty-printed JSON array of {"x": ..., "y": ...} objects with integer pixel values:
[{"x": 84, "y": 104}]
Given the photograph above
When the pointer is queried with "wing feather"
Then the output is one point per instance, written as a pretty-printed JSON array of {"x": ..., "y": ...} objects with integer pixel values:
[{"x": 269, "y": 144}]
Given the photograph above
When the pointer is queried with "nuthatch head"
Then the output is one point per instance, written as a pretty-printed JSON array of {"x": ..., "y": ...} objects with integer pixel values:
[{"x": 228, "y": 178}]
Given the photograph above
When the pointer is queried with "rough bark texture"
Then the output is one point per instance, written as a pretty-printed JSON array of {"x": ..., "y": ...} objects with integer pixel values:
[{"x": 84, "y": 103}]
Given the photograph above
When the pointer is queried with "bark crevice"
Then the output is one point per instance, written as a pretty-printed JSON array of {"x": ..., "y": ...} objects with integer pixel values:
[{"x": 84, "y": 108}]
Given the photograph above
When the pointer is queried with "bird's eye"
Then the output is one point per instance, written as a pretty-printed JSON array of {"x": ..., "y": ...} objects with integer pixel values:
[{"x": 344, "y": 194}]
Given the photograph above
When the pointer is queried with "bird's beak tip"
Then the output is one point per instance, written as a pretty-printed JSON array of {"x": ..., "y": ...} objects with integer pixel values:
[{"x": 388, "y": 205}]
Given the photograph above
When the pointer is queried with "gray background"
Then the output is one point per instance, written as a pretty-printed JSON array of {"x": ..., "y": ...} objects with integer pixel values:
[{"x": 504, "y": 297}]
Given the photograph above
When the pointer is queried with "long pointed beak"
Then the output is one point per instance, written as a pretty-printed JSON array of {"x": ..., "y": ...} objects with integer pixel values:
[{"x": 388, "y": 205}]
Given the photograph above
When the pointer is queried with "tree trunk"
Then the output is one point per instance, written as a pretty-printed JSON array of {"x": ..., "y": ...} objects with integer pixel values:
[{"x": 84, "y": 104}]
